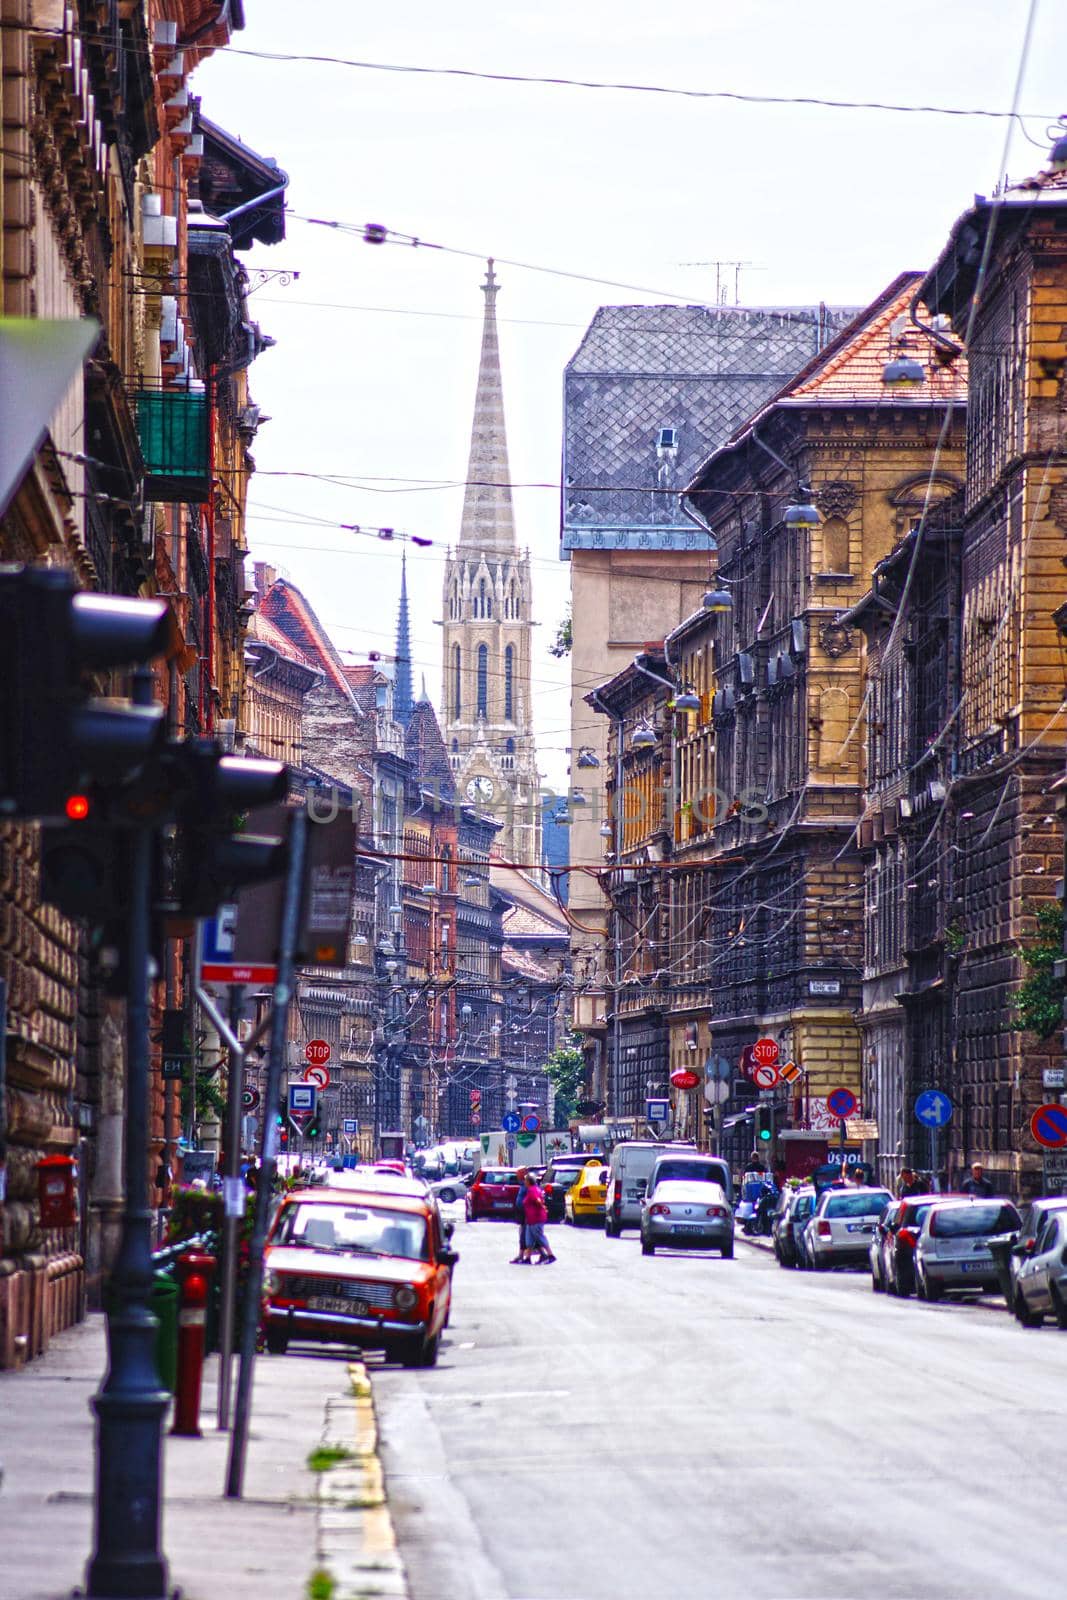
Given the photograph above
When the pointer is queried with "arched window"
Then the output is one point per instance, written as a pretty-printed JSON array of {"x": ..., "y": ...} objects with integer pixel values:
[
  {"x": 509, "y": 682},
  {"x": 483, "y": 680},
  {"x": 509, "y": 754},
  {"x": 513, "y": 601},
  {"x": 457, "y": 682}
]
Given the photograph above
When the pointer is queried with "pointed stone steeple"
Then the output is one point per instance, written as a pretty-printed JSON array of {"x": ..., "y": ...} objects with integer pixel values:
[
  {"x": 402, "y": 697},
  {"x": 488, "y": 520}
]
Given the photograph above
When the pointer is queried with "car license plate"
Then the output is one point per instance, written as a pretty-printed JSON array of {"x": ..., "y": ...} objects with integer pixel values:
[
  {"x": 686, "y": 1227},
  {"x": 860, "y": 1227},
  {"x": 334, "y": 1304},
  {"x": 976, "y": 1266}
]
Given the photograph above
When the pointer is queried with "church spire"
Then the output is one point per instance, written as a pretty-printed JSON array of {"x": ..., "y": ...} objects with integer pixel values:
[
  {"x": 402, "y": 699},
  {"x": 488, "y": 521}
]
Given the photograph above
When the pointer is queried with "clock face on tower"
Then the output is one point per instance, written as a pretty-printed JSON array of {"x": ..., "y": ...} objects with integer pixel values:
[{"x": 481, "y": 788}]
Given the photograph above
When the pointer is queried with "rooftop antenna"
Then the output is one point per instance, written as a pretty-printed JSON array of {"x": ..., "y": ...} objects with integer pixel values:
[{"x": 721, "y": 287}]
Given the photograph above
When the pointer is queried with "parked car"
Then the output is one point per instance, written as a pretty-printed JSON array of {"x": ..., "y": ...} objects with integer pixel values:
[
  {"x": 953, "y": 1252},
  {"x": 448, "y": 1189},
  {"x": 629, "y": 1173},
  {"x": 560, "y": 1174},
  {"x": 1010, "y": 1250},
  {"x": 892, "y": 1252},
  {"x": 584, "y": 1201},
  {"x": 1041, "y": 1277},
  {"x": 494, "y": 1193},
  {"x": 794, "y": 1209},
  {"x": 839, "y": 1231},
  {"x": 687, "y": 1215},
  {"x": 371, "y": 1270}
]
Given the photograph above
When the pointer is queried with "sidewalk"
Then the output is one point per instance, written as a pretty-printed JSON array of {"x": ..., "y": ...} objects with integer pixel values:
[{"x": 291, "y": 1523}]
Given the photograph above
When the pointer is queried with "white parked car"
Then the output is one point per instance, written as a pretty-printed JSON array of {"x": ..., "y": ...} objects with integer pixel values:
[
  {"x": 953, "y": 1248},
  {"x": 839, "y": 1230},
  {"x": 1041, "y": 1278}
]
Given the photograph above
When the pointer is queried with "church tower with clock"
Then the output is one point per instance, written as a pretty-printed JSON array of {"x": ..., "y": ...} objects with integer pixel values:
[{"x": 487, "y": 713}]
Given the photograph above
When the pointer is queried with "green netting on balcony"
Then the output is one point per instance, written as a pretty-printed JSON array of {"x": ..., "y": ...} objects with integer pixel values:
[{"x": 173, "y": 428}]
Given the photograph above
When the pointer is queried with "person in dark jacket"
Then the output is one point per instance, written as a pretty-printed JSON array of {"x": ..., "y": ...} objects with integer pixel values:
[{"x": 977, "y": 1184}]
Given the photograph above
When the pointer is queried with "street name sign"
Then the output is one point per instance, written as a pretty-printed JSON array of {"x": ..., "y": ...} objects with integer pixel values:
[
  {"x": 861, "y": 1128},
  {"x": 933, "y": 1108},
  {"x": 1054, "y": 1078},
  {"x": 1049, "y": 1126}
]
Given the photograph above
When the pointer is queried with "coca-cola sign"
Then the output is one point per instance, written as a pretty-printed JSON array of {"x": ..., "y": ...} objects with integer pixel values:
[{"x": 684, "y": 1079}]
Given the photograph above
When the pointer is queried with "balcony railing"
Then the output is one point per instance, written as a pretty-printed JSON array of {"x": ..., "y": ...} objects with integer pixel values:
[{"x": 172, "y": 425}]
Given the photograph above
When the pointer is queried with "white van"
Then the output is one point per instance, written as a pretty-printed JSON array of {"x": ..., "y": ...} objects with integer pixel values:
[{"x": 631, "y": 1167}]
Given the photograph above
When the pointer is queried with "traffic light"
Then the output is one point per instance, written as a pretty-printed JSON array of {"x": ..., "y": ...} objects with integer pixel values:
[
  {"x": 764, "y": 1124},
  {"x": 313, "y": 1129},
  {"x": 214, "y": 858},
  {"x": 56, "y": 739}
]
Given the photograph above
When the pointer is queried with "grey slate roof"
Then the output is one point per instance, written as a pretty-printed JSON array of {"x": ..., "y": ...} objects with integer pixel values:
[{"x": 698, "y": 369}]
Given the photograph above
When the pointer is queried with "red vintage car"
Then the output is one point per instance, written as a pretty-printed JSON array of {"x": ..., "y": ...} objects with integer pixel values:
[{"x": 364, "y": 1268}]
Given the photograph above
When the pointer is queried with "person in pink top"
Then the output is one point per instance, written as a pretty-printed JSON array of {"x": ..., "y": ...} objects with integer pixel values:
[{"x": 536, "y": 1214}]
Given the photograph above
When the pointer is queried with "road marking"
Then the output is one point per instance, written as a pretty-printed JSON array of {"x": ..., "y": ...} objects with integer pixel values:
[{"x": 479, "y": 1399}]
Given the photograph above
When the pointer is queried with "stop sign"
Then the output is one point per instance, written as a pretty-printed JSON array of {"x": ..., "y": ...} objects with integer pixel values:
[
  {"x": 765, "y": 1053},
  {"x": 317, "y": 1051}
]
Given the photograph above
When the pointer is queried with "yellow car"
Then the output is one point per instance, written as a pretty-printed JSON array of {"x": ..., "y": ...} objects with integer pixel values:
[{"x": 586, "y": 1197}]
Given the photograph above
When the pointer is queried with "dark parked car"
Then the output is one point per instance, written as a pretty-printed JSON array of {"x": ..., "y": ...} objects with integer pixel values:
[
  {"x": 892, "y": 1252},
  {"x": 794, "y": 1209},
  {"x": 560, "y": 1174}
]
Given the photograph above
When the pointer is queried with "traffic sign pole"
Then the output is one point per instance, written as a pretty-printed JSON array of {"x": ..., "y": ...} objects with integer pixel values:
[{"x": 233, "y": 1203}]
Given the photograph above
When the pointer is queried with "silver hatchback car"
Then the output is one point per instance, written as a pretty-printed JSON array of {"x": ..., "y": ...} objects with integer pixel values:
[
  {"x": 839, "y": 1231},
  {"x": 953, "y": 1247},
  {"x": 687, "y": 1215}
]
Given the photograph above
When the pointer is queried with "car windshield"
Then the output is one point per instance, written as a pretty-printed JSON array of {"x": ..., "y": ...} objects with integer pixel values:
[
  {"x": 564, "y": 1176},
  {"x": 684, "y": 1171},
  {"x": 354, "y": 1230},
  {"x": 499, "y": 1177},
  {"x": 856, "y": 1205},
  {"x": 804, "y": 1206},
  {"x": 967, "y": 1222},
  {"x": 912, "y": 1216}
]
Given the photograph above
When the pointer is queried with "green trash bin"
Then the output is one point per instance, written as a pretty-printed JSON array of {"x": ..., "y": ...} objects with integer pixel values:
[{"x": 165, "y": 1309}]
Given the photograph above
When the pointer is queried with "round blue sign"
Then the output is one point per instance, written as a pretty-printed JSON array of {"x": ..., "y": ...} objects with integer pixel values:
[
  {"x": 933, "y": 1108},
  {"x": 841, "y": 1103},
  {"x": 531, "y": 1123},
  {"x": 511, "y": 1122}
]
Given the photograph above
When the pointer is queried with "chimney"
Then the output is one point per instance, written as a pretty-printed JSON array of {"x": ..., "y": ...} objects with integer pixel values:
[{"x": 266, "y": 577}]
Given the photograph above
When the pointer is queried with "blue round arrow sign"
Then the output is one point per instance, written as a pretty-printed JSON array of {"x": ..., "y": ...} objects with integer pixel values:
[
  {"x": 933, "y": 1108},
  {"x": 511, "y": 1122}
]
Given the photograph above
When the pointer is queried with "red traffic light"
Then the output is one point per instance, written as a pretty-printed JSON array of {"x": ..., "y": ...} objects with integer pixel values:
[{"x": 77, "y": 807}]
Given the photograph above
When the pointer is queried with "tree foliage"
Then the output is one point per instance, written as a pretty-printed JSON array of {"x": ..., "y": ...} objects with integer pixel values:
[
  {"x": 561, "y": 645},
  {"x": 566, "y": 1072},
  {"x": 1039, "y": 1002}
]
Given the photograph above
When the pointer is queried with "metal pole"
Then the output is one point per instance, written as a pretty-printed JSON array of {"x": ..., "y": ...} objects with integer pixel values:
[
  {"x": 130, "y": 1406},
  {"x": 617, "y": 841},
  {"x": 283, "y": 991},
  {"x": 233, "y": 1203}
]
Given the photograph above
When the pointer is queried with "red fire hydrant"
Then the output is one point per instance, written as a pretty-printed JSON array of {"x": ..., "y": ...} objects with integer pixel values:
[{"x": 195, "y": 1272}]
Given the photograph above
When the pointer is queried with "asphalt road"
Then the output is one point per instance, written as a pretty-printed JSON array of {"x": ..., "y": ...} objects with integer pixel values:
[{"x": 685, "y": 1428}]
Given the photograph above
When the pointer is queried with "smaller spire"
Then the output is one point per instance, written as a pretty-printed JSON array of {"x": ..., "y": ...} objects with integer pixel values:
[
  {"x": 402, "y": 701},
  {"x": 423, "y": 696}
]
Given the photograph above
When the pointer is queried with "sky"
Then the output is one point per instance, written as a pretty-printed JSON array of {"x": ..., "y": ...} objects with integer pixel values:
[{"x": 372, "y": 378}]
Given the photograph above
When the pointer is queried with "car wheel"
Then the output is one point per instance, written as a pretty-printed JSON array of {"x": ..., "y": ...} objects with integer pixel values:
[
  {"x": 471, "y": 1217},
  {"x": 1023, "y": 1314},
  {"x": 647, "y": 1247},
  {"x": 902, "y": 1286},
  {"x": 877, "y": 1286},
  {"x": 612, "y": 1229},
  {"x": 1059, "y": 1308},
  {"x": 930, "y": 1291},
  {"x": 727, "y": 1251},
  {"x": 447, "y": 1195},
  {"x": 420, "y": 1352},
  {"x": 277, "y": 1343},
  {"x": 819, "y": 1264}
]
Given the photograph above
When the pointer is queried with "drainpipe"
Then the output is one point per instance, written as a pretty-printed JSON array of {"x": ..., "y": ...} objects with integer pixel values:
[
  {"x": 258, "y": 200},
  {"x": 207, "y": 689}
]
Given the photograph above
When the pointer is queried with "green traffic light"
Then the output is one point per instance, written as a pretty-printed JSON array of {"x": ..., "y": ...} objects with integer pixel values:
[{"x": 765, "y": 1133}]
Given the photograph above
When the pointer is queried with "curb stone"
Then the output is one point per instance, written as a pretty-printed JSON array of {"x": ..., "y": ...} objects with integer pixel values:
[{"x": 356, "y": 1542}]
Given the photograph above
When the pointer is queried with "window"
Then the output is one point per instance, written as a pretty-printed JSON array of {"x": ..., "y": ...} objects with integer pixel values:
[
  {"x": 484, "y": 605},
  {"x": 483, "y": 680},
  {"x": 509, "y": 683},
  {"x": 457, "y": 685}
]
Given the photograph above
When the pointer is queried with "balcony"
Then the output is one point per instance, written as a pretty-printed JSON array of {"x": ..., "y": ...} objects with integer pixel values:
[{"x": 172, "y": 425}]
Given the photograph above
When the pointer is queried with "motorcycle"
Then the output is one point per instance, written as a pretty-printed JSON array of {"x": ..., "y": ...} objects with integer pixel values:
[{"x": 756, "y": 1208}]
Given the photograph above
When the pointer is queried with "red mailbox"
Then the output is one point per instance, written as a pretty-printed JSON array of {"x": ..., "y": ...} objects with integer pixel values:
[{"x": 56, "y": 1192}]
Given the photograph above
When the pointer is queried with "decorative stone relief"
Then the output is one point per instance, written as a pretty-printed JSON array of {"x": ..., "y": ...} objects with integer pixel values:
[
  {"x": 837, "y": 499},
  {"x": 836, "y": 639}
]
